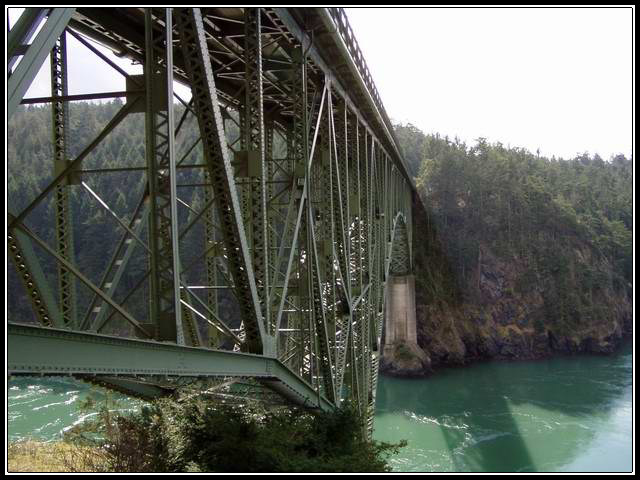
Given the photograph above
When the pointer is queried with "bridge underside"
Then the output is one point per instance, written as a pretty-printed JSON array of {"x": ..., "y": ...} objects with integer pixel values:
[{"x": 267, "y": 209}]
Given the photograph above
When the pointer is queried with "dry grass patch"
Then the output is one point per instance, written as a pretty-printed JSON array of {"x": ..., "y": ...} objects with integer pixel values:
[{"x": 38, "y": 456}]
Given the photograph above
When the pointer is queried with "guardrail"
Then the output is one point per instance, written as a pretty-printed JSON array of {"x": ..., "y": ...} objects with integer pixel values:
[
  {"x": 339, "y": 17},
  {"x": 346, "y": 32}
]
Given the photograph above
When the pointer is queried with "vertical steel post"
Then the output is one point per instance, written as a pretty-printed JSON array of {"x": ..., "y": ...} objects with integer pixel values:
[
  {"x": 171, "y": 151},
  {"x": 254, "y": 135},
  {"x": 212, "y": 252},
  {"x": 60, "y": 136},
  {"x": 165, "y": 291},
  {"x": 299, "y": 156}
]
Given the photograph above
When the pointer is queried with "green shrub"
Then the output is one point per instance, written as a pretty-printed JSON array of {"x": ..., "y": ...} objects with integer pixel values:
[{"x": 201, "y": 434}]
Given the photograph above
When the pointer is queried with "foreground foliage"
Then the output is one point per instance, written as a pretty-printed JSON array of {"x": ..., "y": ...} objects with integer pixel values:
[{"x": 201, "y": 434}]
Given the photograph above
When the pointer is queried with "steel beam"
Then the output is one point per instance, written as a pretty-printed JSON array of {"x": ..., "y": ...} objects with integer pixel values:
[
  {"x": 24, "y": 73},
  {"x": 254, "y": 141},
  {"x": 95, "y": 316},
  {"x": 48, "y": 351},
  {"x": 213, "y": 252},
  {"x": 21, "y": 32},
  {"x": 33, "y": 279},
  {"x": 166, "y": 308}
]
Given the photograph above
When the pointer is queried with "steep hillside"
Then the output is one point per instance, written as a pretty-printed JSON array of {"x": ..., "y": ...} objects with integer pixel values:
[{"x": 526, "y": 256}]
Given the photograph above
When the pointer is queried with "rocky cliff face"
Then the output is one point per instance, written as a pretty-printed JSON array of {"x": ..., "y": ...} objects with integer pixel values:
[
  {"x": 489, "y": 317},
  {"x": 507, "y": 325}
]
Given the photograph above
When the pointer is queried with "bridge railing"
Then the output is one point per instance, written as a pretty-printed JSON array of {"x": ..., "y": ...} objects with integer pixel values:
[
  {"x": 346, "y": 32},
  {"x": 343, "y": 27}
]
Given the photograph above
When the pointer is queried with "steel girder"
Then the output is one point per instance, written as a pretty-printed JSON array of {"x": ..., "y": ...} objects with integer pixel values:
[
  {"x": 33, "y": 280},
  {"x": 21, "y": 32},
  {"x": 60, "y": 141},
  {"x": 294, "y": 180},
  {"x": 38, "y": 351},
  {"x": 166, "y": 308},
  {"x": 34, "y": 54}
]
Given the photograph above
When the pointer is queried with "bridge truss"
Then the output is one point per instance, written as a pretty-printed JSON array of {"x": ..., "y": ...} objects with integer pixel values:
[{"x": 272, "y": 205}]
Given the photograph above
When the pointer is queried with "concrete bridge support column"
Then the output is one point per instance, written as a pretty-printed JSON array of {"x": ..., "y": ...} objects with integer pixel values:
[
  {"x": 400, "y": 321},
  {"x": 401, "y": 354}
]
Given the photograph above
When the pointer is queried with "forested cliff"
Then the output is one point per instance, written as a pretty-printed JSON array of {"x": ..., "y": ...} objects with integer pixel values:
[{"x": 518, "y": 255}]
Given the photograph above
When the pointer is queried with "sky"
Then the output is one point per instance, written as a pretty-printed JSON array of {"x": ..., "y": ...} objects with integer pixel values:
[{"x": 557, "y": 80}]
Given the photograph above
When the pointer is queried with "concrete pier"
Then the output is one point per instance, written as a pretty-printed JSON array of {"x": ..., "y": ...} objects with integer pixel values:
[{"x": 400, "y": 323}]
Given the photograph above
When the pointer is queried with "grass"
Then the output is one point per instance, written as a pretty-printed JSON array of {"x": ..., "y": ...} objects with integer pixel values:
[{"x": 38, "y": 456}]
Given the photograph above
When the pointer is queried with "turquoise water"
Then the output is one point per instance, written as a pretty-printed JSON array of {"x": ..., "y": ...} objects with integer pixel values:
[
  {"x": 43, "y": 408},
  {"x": 563, "y": 414}
]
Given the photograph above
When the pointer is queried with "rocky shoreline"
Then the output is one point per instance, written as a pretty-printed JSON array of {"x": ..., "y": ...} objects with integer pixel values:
[
  {"x": 422, "y": 366},
  {"x": 463, "y": 336}
]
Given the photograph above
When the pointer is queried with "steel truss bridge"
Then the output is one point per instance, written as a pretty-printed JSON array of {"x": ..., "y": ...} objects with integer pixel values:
[{"x": 293, "y": 206}]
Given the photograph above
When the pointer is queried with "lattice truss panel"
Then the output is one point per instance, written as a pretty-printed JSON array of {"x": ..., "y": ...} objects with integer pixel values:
[{"x": 258, "y": 218}]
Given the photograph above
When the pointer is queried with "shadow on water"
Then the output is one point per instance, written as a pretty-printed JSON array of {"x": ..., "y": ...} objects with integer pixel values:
[
  {"x": 509, "y": 417},
  {"x": 484, "y": 447}
]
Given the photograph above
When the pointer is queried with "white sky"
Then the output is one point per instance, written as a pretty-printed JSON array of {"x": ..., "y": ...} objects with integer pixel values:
[{"x": 555, "y": 79}]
